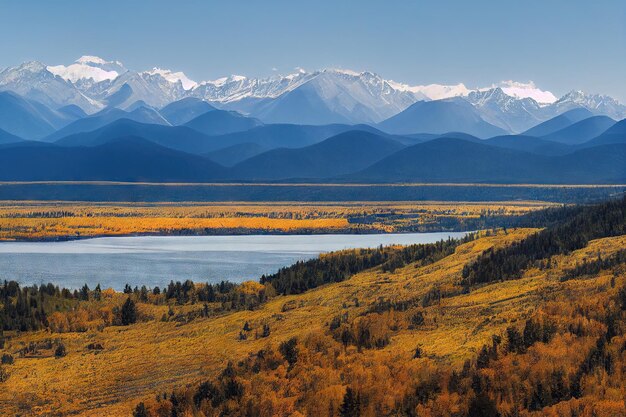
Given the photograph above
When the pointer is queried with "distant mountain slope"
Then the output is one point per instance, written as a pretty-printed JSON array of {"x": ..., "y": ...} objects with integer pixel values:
[
  {"x": 185, "y": 110},
  {"x": 454, "y": 160},
  {"x": 6, "y": 137},
  {"x": 509, "y": 113},
  {"x": 105, "y": 117},
  {"x": 440, "y": 116},
  {"x": 72, "y": 111},
  {"x": 220, "y": 122},
  {"x": 287, "y": 135},
  {"x": 127, "y": 159},
  {"x": 581, "y": 131},
  {"x": 33, "y": 80},
  {"x": 27, "y": 118},
  {"x": 345, "y": 153},
  {"x": 301, "y": 106},
  {"x": 615, "y": 134},
  {"x": 175, "y": 137},
  {"x": 618, "y": 128},
  {"x": 559, "y": 122},
  {"x": 531, "y": 144},
  {"x": 234, "y": 154}
]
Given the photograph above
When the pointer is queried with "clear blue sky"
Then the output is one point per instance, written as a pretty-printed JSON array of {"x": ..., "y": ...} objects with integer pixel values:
[{"x": 559, "y": 44}]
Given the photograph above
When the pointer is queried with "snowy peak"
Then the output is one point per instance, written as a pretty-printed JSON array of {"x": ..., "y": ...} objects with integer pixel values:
[
  {"x": 526, "y": 90},
  {"x": 34, "y": 81},
  {"x": 596, "y": 103},
  {"x": 90, "y": 59},
  {"x": 25, "y": 70},
  {"x": 433, "y": 91},
  {"x": 587, "y": 100},
  {"x": 89, "y": 68},
  {"x": 238, "y": 87},
  {"x": 97, "y": 62},
  {"x": 173, "y": 77},
  {"x": 77, "y": 72}
]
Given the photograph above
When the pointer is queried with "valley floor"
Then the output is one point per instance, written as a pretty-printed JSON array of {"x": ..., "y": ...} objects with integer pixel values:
[{"x": 40, "y": 220}]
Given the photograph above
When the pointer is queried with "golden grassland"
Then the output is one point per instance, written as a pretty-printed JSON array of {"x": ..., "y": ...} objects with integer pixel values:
[
  {"x": 151, "y": 357},
  {"x": 34, "y": 220}
]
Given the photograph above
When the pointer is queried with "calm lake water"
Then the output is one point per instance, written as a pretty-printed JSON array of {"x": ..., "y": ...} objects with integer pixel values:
[{"x": 155, "y": 260}]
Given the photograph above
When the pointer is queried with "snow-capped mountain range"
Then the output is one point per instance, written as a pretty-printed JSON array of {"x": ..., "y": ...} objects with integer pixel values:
[{"x": 303, "y": 97}]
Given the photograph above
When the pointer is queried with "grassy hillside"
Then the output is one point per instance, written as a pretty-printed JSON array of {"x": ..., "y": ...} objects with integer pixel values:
[{"x": 413, "y": 340}]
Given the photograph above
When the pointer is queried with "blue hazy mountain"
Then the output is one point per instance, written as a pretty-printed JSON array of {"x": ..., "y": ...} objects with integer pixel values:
[
  {"x": 327, "y": 97},
  {"x": 440, "y": 116},
  {"x": 288, "y": 135},
  {"x": 185, "y": 110},
  {"x": 455, "y": 160},
  {"x": 125, "y": 159},
  {"x": 139, "y": 104},
  {"x": 531, "y": 144},
  {"x": 342, "y": 154},
  {"x": 559, "y": 122},
  {"x": 220, "y": 122},
  {"x": 29, "y": 119},
  {"x": 186, "y": 139},
  {"x": 175, "y": 137},
  {"x": 6, "y": 137},
  {"x": 300, "y": 106},
  {"x": 581, "y": 131},
  {"x": 615, "y": 134},
  {"x": 234, "y": 154},
  {"x": 105, "y": 117},
  {"x": 72, "y": 111}
]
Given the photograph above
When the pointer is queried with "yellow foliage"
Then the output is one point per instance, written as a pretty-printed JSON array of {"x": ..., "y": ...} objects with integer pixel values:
[
  {"x": 153, "y": 357},
  {"x": 44, "y": 220}
]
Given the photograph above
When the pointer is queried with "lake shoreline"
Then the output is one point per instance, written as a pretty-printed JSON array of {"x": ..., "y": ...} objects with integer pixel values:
[
  {"x": 156, "y": 260},
  {"x": 230, "y": 232}
]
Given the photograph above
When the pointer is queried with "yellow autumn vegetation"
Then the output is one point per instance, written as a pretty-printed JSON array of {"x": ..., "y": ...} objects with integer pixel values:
[
  {"x": 153, "y": 357},
  {"x": 50, "y": 220}
]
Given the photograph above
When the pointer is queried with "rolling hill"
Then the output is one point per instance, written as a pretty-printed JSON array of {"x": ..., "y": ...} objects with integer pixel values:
[
  {"x": 27, "y": 118},
  {"x": 581, "y": 131},
  {"x": 220, "y": 122},
  {"x": 531, "y": 144},
  {"x": 615, "y": 134},
  {"x": 125, "y": 159},
  {"x": 6, "y": 137},
  {"x": 234, "y": 154},
  {"x": 288, "y": 135},
  {"x": 454, "y": 160},
  {"x": 440, "y": 116},
  {"x": 342, "y": 154},
  {"x": 185, "y": 110},
  {"x": 175, "y": 137},
  {"x": 559, "y": 122},
  {"x": 105, "y": 117}
]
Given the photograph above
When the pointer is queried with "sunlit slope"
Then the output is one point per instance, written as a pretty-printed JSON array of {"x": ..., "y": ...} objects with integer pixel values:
[{"x": 145, "y": 359}]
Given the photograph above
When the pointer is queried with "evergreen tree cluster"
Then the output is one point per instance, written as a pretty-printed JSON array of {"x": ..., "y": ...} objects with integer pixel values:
[
  {"x": 576, "y": 227},
  {"x": 27, "y": 308},
  {"x": 339, "y": 266}
]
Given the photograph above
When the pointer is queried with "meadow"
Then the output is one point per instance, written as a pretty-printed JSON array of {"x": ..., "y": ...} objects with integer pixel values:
[{"x": 37, "y": 220}]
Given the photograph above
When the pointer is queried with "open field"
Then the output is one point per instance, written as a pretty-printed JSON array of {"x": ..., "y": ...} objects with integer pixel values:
[
  {"x": 37, "y": 220},
  {"x": 154, "y": 357}
]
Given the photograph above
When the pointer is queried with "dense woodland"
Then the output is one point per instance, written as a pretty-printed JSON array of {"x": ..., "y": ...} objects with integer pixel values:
[
  {"x": 578, "y": 226},
  {"x": 338, "y": 266}
]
